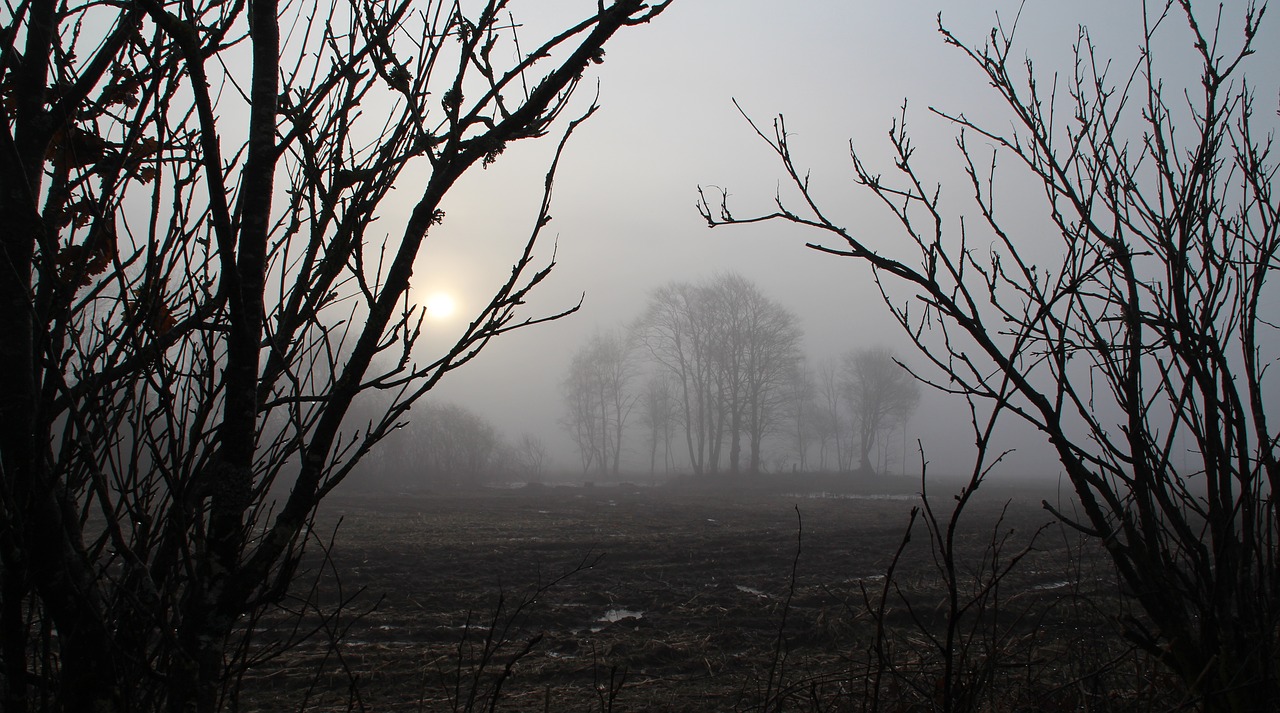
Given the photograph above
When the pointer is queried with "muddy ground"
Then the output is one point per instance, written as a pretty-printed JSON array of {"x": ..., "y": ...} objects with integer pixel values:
[{"x": 626, "y": 598}]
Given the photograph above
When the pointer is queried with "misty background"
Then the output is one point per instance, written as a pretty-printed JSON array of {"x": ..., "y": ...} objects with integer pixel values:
[{"x": 625, "y": 221}]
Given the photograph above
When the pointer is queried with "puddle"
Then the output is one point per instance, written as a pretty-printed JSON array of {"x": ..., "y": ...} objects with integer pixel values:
[{"x": 613, "y": 616}]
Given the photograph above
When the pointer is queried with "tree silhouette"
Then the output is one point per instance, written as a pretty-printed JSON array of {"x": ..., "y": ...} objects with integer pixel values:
[
  {"x": 729, "y": 349},
  {"x": 881, "y": 396},
  {"x": 193, "y": 295},
  {"x": 598, "y": 399},
  {"x": 1140, "y": 344}
]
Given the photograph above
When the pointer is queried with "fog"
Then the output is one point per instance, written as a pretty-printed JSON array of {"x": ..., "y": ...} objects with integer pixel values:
[{"x": 624, "y": 210}]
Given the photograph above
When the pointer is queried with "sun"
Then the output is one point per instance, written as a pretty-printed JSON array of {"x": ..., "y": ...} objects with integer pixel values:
[{"x": 440, "y": 305}]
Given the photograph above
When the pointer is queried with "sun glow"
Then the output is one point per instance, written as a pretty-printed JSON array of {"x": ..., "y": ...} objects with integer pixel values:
[{"x": 440, "y": 306}]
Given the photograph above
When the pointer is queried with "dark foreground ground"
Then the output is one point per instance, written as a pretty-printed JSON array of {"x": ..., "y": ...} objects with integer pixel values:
[{"x": 630, "y": 599}]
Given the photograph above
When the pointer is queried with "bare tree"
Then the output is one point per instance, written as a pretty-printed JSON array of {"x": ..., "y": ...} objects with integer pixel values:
[
  {"x": 880, "y": 394},
  {"x": 658, "y": 414},
  {"x": 1145, "y": 328},
  {"x": 770, "y": 340},
  {"x": 675, "y": 332},
  {"x": 830, "y": 426},
  {"x": 598, "y": 400},
  {"x": 190, "y": 307},
  {"x": 730, "y": 348},
  {"x": 531, "y": 456},
  {"x": 802, "y": 411}
]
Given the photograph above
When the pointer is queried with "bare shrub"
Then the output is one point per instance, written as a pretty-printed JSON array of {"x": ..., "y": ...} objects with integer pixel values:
[
  {"x": 1139, "y": 344},
  {"x": 193, "y": 295}
]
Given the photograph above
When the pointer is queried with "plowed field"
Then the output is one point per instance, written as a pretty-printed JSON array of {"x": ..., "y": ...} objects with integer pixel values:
[{"x": 630, "y": 598}]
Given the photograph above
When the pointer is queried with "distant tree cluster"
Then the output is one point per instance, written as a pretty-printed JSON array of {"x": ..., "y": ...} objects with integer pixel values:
[
  {"x": 598, "y": 400},
  {"x": 847, "y": 409},
  {"x": 717, "y": 366},
  {"x": 449, "y": 445}
]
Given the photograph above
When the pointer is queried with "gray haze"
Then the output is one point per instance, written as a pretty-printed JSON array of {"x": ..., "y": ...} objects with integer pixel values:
[{"x": 624, "y": 209}]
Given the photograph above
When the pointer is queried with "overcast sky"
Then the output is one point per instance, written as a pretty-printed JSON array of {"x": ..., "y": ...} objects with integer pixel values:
[{"x": 624, "y": 210}]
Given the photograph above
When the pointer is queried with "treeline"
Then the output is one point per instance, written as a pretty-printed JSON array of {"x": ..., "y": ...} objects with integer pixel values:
[
  {"x": 711, "y": 378},
  {"x": 448, "y": 445}
]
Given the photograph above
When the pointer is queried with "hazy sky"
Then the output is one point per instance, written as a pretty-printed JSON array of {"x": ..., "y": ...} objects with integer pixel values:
[{"x": 624, "y": 210}]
